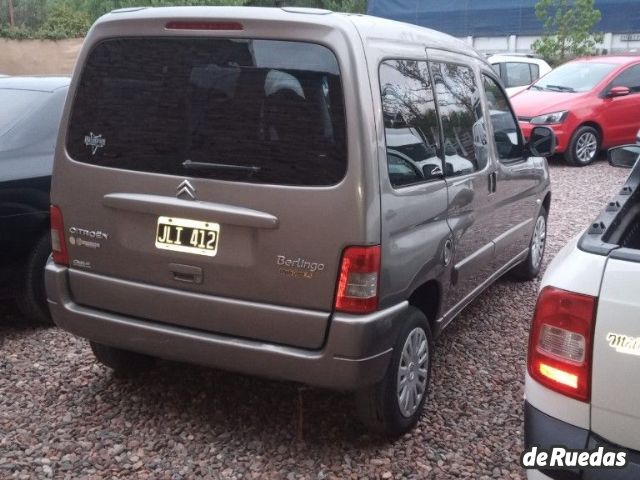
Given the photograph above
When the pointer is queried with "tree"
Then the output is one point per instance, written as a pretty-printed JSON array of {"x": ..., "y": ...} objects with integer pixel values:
[
  {"x": 71, "y": 18},
  {"x": 63, "y": 21},
  {"x": 567, "y": 29}
]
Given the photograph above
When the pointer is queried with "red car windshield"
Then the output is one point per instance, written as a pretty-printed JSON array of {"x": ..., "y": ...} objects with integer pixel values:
[{"x": 574, "y": 77}]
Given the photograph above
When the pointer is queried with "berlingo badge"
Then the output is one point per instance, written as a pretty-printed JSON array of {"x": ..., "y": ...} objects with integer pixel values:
[{"x": 94, "y": 141}]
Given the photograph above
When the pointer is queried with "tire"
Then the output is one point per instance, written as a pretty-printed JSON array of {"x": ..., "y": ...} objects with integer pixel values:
[
  {"x": 121, "y": 361},
  {"x": 31, "y": 296},
  {"x": 378, "y": 407},
  {"x": 583, "y": 147},
  {"x": 530, "y": 267}
]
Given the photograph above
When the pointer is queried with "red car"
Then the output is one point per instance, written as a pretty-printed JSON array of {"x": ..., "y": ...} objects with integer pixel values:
[{"x": 591, "y": 104}]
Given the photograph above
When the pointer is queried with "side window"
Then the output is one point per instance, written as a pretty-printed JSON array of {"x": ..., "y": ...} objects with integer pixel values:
[
  {"x": 401, "y": 170},
  {"x": 460, "y": 111},
  {"x": 505, "y": 128},
  {"x": 410, "y": 122},
  {"x": 630, "y": 78},
  {"x": 496, "y": 68},
  {"x": 518, "y": 74},
  {"x": 535, "y": 72}
]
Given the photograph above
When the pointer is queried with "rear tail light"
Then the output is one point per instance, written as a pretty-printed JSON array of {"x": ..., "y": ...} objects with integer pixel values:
[
  {"x": 203, "y": 25},
  {"x": 358, "y": 281},
  {"x": 58, "y": 245},
  {"x": 560, "y": 342}
]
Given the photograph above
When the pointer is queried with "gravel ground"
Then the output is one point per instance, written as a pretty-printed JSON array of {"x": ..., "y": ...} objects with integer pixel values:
[{"x": 64, "y": 416}]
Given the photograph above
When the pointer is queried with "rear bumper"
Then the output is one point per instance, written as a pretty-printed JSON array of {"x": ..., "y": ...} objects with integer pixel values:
[
  {"x": 355, "y": 355},
  {"x": 544, "y": 431}
]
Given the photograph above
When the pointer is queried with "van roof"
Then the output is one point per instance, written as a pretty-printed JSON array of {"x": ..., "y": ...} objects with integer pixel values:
[{"x": 370, "y": 28}]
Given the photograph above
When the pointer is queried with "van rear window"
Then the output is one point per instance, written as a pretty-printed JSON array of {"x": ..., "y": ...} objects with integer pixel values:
[{"x": 257, "y": 111}]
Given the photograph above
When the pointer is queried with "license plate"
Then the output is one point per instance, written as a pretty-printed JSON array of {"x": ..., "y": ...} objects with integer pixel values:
[{"x": 187, "y": 236}]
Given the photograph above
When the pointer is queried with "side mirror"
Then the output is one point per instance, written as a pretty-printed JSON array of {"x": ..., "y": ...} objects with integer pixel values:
[
  {"x": 432, "y": 171},
  {"x": 542, "y": 142},
  {"x": 618, "y": 92},
  {"x": 624, "y": 156}
]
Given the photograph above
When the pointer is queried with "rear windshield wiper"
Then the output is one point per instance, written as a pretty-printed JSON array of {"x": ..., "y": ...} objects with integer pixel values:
[
  {"x": 188, "y": 164},
  {"x": 562, "y": 88}
]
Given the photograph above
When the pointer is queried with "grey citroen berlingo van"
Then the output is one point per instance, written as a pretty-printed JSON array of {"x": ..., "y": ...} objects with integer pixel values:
[{"x": 290, "y": 193}]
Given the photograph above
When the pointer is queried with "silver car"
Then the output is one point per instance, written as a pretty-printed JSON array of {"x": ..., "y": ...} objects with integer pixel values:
[{"x": 222, "y": 195}]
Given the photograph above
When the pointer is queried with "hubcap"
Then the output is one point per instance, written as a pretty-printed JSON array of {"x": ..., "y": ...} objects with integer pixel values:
[
  {"x": 586, "y": 147},
  {"x": 538, "y": 241},
  {"x": 412, "y": 372}
]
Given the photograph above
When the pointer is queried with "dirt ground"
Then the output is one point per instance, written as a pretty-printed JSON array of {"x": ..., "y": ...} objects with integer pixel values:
[{"x": 38, "y": 57}]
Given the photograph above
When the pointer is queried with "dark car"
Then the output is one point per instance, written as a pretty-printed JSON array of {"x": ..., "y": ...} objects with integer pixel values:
[{"x": 29, "y": 120}]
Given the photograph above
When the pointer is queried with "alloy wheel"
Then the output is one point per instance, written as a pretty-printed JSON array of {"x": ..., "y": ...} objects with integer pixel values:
[
  {"x": 538, "y": 241},
  {"x": 586, "y": 147}
]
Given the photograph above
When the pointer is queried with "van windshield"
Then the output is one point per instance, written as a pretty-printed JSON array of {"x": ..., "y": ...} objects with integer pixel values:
[{"x": 258, "y": 111}]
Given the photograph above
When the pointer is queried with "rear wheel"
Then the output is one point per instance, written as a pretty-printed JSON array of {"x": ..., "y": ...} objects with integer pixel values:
[
  {"x": 530, "y": 267},
  {"x": 583, "y": 147},
  {"x": 394, "y": 405},
  {"x": 121, "y": 361},
  {"x": 31, "y": 296}
]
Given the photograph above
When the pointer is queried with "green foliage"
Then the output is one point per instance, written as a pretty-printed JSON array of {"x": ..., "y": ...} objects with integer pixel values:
[
  {"x": 568, "y": 29},
  {"x": 56, "y": 19},
  {"x": 352, "y": 6},
  {"x": 63, "y": 21},
  {"x": 96, "y": 8}
]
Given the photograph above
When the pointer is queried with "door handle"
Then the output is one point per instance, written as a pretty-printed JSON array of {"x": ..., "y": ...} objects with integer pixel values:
[
  {"x": 185, "y": 273},
  {"x": 493, "y": 180}
]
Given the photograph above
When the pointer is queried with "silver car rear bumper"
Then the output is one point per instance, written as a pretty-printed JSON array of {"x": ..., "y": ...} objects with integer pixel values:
[{"x": 355, "y": 354}]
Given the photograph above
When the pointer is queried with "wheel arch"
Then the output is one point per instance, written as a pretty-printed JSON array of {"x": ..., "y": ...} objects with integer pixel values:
[
  {"x": 546, "y": 203},
  {"x": 592, "y": 124},
  {"x": 427, "y": 298}
]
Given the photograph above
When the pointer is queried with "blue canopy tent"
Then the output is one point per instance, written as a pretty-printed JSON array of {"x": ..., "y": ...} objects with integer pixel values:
[{"x": 489, "y": 18}]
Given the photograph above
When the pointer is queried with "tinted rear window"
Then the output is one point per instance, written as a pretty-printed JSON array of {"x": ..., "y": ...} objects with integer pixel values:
[{"x": 246, "y": 110}]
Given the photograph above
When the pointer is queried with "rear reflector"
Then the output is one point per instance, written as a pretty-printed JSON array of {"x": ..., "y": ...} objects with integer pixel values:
[
  {"x": 58, "y": 245},
  {"x": 203, "y": 26},
  {"x": 357, "y": 290},
  {"x": 560, "y": 342},
  {"x": 560, "y": 376}
]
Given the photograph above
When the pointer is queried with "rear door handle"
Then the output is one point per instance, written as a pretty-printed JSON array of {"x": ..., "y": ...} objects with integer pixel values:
[{"x": 185, "y": 273}]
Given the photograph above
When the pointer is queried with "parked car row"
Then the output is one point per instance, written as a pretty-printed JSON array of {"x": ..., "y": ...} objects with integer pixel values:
[{"x": 318, "y": 205}]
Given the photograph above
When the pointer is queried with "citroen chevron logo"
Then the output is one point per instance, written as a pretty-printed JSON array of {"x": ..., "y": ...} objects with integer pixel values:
[{"x": 186, "y": 191}]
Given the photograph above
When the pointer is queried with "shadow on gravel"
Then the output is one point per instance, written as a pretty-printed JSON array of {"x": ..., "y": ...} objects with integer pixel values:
[
  {"x": 11, "y": 320},
  {"x": 233, "y": 406},
  {"x": 558, "y": 159}
]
